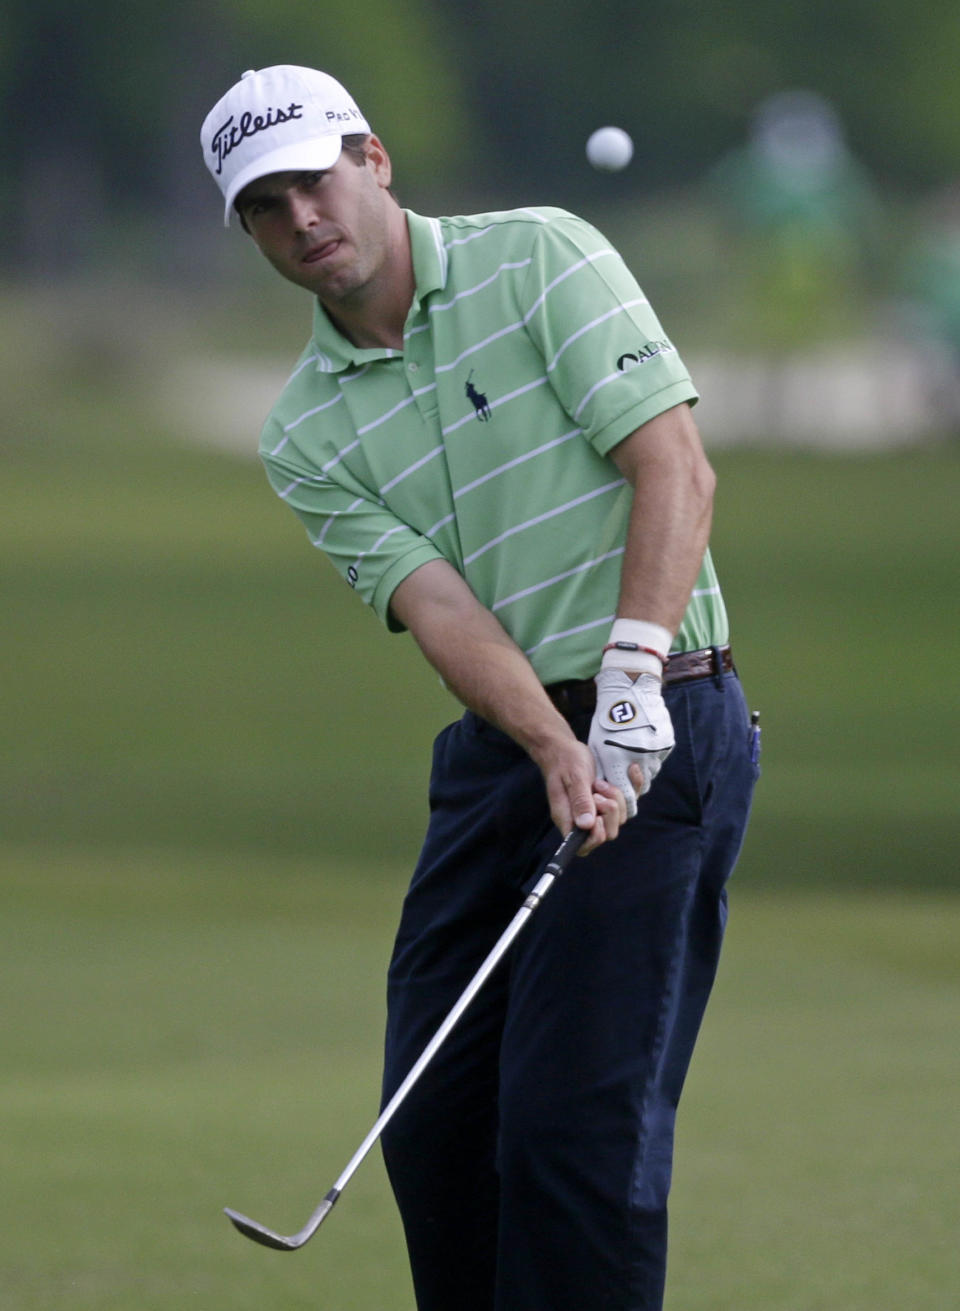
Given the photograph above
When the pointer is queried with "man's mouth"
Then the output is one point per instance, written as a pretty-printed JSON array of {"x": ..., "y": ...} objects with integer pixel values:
[{"x": 321, "y": 251}]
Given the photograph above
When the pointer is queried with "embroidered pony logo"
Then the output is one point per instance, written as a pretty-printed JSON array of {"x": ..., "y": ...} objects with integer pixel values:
[{"x": 479, "y": 400}]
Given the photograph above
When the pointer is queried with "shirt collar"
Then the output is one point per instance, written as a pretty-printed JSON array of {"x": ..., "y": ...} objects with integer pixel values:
[{"x": 334, "y": 351}]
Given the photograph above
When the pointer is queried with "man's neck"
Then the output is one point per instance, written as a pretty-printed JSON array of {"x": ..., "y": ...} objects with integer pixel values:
[{"x": 378, "y": 315}]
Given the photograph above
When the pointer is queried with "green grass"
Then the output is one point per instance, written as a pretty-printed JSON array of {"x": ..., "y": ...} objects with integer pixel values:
[
  {"x": 820, "y": 1135},
  {"x": 184, "y": 671},
  {"x": 188, "y": 1035},
  {"x": 193, "y": 1033},
  {"x": 840, "y": 575}
]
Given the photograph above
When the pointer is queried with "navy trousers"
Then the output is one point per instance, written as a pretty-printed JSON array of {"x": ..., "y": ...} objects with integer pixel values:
[{"x": 531, "y": 1164}]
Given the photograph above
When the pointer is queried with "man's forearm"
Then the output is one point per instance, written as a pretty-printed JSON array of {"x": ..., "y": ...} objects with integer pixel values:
[
  {"x": 478, "y": 661},
  {"x": 487, "y": 671}
]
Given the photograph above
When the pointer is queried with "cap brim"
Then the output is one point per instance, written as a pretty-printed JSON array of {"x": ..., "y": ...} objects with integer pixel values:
[{"x": 317, "y": 153}]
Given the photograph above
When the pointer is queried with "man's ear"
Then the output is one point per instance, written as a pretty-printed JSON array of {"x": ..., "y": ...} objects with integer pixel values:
[{"x": 379, "y": 161}]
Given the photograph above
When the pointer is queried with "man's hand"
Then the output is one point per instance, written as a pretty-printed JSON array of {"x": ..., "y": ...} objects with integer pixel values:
[
  {"x": 486, "y": 669},
  {"x": 631, "y": 727},
  {"x": 577, "y": 797}
]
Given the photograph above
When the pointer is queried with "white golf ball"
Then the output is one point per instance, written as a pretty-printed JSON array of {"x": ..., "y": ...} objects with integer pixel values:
[{"x": 609, "y": 149}]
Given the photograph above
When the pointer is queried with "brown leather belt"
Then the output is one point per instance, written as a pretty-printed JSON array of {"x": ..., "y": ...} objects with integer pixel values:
[{"x": 579, "y": 695}]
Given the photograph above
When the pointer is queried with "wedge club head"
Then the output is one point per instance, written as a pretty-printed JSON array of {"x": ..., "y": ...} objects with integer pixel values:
[
  {"x": 290, "y": 1243},
  {"x": 280, "y": 1243}
]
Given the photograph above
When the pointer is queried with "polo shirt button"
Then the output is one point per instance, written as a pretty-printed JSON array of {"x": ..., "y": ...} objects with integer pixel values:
[{"x": 413, "y": 366}]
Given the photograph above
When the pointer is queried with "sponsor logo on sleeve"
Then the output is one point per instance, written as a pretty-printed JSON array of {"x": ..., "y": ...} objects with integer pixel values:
[{"x": 648, "y": 351}]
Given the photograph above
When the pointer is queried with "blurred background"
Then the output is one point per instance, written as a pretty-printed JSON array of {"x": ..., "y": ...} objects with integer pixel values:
[{"x": 214, "y": 771}]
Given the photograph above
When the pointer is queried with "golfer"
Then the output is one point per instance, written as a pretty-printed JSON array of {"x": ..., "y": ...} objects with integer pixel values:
[{"x": 489, "y": 435}]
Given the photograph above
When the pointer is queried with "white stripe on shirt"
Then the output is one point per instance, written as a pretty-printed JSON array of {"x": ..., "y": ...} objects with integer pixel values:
[{"x": 540, "y": 518}]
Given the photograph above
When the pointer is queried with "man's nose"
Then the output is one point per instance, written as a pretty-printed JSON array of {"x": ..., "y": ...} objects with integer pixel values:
[{"x": 302, "y": 212}]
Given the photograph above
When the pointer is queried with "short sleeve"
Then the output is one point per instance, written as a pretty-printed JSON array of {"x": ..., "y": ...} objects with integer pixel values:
[
  {"x": 607, "y": 356},
  {"x": 371, "y": 549}
]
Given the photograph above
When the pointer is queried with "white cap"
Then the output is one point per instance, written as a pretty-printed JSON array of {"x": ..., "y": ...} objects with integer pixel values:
[{"x": 276, "y": 120}]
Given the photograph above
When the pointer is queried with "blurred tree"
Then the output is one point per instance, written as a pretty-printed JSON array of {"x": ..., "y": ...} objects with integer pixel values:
[
  {"x": 101, "y": 102},
  {"x": 104, "y": 102},
  {"x": 395, "y": 58},
  {"x": 802, "y": 226},
  {"x": 929, "y": 295},
  {"x": 684, "y": 78}
]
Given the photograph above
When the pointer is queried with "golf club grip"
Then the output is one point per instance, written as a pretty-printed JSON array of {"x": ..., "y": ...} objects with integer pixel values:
[{"x": 568, "y": 848}]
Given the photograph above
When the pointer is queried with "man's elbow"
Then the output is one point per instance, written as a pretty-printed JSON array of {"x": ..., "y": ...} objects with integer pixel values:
[
  {"x": 700, "y": 479},
  {"x": 704, "y": 481}
]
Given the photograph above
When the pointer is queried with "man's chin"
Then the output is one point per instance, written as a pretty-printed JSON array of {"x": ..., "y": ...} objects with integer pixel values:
[{"x": 324, "y": 280}]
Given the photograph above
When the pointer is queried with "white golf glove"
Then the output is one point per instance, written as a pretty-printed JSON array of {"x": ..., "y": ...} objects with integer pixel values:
[{"x": 631, "y": 726}]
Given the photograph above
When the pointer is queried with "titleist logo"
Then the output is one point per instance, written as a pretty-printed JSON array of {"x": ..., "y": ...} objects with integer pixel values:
[{"x": 231, "y": 133}]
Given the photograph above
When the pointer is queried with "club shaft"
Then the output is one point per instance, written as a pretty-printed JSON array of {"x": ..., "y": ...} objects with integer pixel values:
[
  {"x": 552, "y": 871},
  {"x": 532, "y": 901}
]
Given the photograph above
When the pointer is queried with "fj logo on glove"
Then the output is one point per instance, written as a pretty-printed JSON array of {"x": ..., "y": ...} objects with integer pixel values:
[{"x": 623, "y": 712}]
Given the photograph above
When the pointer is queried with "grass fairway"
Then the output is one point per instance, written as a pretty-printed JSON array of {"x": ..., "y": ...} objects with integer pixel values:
[
  {"x": 189, "y": 1034},
  {"x": 192, "y": 1033},
  {"x": 214, "y": 784},
  {"x": 819, "y": 1142}
]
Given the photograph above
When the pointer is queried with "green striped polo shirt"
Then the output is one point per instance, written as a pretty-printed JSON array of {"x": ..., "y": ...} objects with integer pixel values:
[{"x": 529, "y": 352}]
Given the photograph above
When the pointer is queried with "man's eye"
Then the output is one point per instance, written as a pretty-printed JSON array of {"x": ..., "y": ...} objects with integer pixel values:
[{"x": 257, "y": 207}]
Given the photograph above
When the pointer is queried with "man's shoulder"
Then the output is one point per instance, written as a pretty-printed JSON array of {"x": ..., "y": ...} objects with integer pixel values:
[
  {"x": 522, "y": 226},
  {"x": 536, "y": 215},
  {"x": 310, "y": 380}
]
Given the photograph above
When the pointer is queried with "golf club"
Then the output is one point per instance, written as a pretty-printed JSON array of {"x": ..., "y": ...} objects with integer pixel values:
[{"x": 554, "y": 868}]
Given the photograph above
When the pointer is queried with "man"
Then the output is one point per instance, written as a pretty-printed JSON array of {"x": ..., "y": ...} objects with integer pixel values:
[{"x": 490, "y": 437}]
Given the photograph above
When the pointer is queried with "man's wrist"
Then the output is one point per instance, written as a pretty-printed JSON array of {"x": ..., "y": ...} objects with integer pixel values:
[
  {"x": 637, "y": 646},
  {"x": 542, "y": 734}
]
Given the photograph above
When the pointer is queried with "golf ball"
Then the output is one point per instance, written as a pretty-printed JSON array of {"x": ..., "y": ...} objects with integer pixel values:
[{"x": 609, "y": 149}]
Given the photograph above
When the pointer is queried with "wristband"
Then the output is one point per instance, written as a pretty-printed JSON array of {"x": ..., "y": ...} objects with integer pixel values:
[
  {"x": 638, "y": 646},
  {"x": 633, "y": 646}
]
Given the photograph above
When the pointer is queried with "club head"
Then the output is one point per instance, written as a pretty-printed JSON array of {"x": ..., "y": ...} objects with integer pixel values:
[{"x": 259, "y": 1233}]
